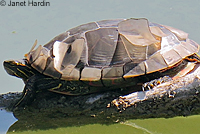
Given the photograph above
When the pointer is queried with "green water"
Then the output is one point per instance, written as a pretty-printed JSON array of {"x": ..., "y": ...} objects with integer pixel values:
[
  {"x": 20, "y": 26},
  {"x": 177, "y": 125}
]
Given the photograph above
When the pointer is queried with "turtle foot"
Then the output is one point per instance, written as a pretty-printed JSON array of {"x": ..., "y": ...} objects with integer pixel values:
[
  {"x": 129, "y": 100},
  {"x": 153, "y": 83}
]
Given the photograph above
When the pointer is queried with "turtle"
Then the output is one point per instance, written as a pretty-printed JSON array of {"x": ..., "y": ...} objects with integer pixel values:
[{"x": 105, "y": 55}]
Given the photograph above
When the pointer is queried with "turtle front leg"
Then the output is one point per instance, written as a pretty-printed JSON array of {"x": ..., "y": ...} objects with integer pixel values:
[{"x": 28, "y": 94}]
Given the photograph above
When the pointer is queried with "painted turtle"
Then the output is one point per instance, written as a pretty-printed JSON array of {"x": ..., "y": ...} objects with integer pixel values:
[{"x": 104, "y": 55}]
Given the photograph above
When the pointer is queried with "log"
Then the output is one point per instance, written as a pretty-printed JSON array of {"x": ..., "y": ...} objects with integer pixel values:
[{"x": 178, "y": 97}]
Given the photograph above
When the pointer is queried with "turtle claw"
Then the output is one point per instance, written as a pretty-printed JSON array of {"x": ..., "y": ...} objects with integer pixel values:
[
  {"x": 129, "y": 100},
  {"x": 150, "y": 85}
]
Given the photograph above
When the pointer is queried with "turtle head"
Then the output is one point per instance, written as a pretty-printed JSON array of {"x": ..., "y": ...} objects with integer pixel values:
[{"x": 19, "y": 68}]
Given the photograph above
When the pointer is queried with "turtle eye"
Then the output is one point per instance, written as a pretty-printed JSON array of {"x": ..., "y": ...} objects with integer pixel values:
[{"x": 69, "y": 49}]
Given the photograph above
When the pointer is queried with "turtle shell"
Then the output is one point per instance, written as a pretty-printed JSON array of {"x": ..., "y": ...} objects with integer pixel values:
[{"x": 112, "y": 50}]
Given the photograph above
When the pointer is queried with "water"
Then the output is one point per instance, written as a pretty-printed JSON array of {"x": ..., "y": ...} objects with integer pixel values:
[
  {"x": 6, "y": 119},
  {"x": 178, "y": 125},
  {"x": 20, "y": 26}
]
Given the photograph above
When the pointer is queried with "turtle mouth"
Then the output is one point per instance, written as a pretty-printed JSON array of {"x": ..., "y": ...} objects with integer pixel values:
[
  {"x": 8, "y": 65},
  {"x": 8, "y": 70}
]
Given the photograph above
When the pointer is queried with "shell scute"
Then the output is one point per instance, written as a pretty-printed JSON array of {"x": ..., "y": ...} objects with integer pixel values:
[{"x": 98, "y": 53}]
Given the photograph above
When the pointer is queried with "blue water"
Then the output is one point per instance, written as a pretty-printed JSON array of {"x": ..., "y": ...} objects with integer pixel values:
[{"x": 6, "y": 119}]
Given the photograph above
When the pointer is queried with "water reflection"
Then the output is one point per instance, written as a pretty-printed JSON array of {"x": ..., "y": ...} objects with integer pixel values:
[{"x": 44, "y": 123}]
